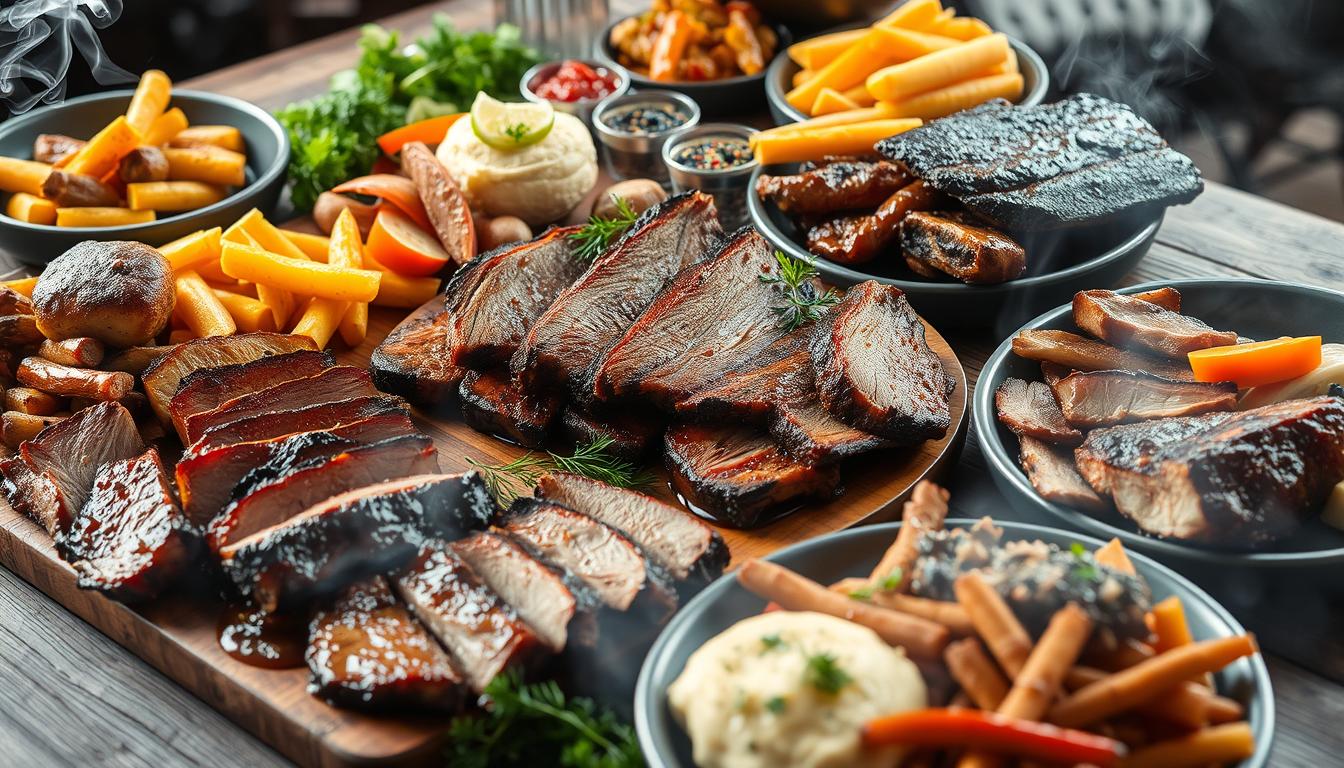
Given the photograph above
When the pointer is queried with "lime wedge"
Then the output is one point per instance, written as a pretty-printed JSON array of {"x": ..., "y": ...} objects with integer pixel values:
[{"x": 504, "y": 125}]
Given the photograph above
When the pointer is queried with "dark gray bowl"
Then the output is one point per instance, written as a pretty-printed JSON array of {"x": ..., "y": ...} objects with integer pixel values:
[
  {"x": 728, "y": 97},
  {"x": 1259, "y": 309},
  {"x": 779, "y": 80},
  {"x": 1058, "y": 265},
  {"x": 855, "y": 552},
  {"x": 267, "y": 161}
]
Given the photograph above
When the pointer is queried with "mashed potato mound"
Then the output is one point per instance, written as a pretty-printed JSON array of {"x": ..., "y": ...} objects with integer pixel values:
[
  {"x": 747, "y": 700},
  {"x": 539, "y": 183}
]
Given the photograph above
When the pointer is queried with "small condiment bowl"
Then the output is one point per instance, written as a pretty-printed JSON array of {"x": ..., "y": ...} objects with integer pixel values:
[
  {"x": 583, "y": 108},
  {"x": 728, "y": 185},
  {"x": 640, "y": 155}
]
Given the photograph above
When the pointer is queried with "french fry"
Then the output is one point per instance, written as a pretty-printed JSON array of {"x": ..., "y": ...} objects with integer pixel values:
[
  {"x": 821, "y": 50},
  {"x": 207, "y": 163},
  {"x": 105, "y": 149},
  {"x": 225, "y": 136},
  {"x": 961, "y": 28},
  {"x": 165, "y": 127},
  {"x": 958, "y": 96},
  {"x": 249, "y": 315},
  {"x": 346, "y": 250},
  {"x": 860, "y": 96},
  {"x": 31, "y": 208},
  {"x": 22, "y": 175},
  {"x": 267, "y": 235},
  {"x": 995, "y": 622},
  {"x": 23, "y": 286},
  {"x": 1219, "y": 745},
  {"x": 849, "y": 69},
  {"x": 802, "y": 76},
  {"x": 301, "y": 276},
  {"x": 913, "y": 14},
  {"x": 949, "y": 614},
  {"x": 313, "y": 246},
  {"x": 830, "y": 101},
  {"x": 924, "y": 512},
  {"x": 280, "y": 301},
  {"x": 1187, "y": 705},
  {"x": 101, "y": 217},
  {"x": 404, "y": 292},
  {"x": 32, "y": 401},
  {"x": 190, "y": 252},
  {"x": 938, "y": 69},
  {"x": 793, "y": 146},
  {"x": 975, "y": 672},
  {"x": 199, "y": 308},
  {"x": 172, "y": 195},
  {"x": 879, "y": 111},
  {"x": 213, "y": 274},
  {"x": 320, "y": 320},
  {"x": 149, "y": 100}
]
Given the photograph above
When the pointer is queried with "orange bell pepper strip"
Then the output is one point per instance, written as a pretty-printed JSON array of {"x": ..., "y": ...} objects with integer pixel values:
[
  {"x": 430, "y": 131},
  {"x": 1258, "y": 363},
  {"x": 991, "y": 732},
  {"x": 669, "y": 46},
  {"x": 397, "y": 190}
]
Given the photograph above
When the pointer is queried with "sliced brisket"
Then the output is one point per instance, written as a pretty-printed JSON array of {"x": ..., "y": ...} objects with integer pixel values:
[
  {"x": 1052, "y": 473},
  {"x": 1083, "y": 354},
  {"x": 208, "y": 388},
  {"x": 1130, "y": 448},
  {"x": 630, "y": 431},
  {"x": 1130, "y": 322},
  {"x": 1106, "y": 398},
  {"x": 493, "y": 404},
  {"x": 1030, "y": 409},
  {"x": 413, "y": 361},
  {"x": 165, "y": 374},
  {"x": 958, "y": 245},
  {"x": 268, "y": 426},
  {"x": 332, "y": 385}
]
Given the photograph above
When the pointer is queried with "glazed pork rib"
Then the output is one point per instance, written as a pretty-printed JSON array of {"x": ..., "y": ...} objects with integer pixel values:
[
  {"x": 1083, "y": 354},
  {"x": 1130, "y": 322},
  {"x": 957, "y": 245},
  {"x": 208, "y": 388},
  {"x": 330, "y": 416},
  {"x": 1106, "y": 398},
  {"x": 331, "y": 385},
  {"x": 847, "y": 185}
]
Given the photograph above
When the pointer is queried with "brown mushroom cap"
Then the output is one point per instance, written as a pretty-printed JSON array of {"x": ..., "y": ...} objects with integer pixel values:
[{"x": 119, "y": 292}]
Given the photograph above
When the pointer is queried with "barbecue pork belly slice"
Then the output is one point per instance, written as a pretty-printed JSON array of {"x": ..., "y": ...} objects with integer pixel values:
[
  {"x": 1130, "y": 322},
  {"x": 712, "y": 317},
  {"x": 209, "y": 388},
  {"x": 164, "y": 375},
  {"x": 680, "y": 543},
  {"x": 847, "y": 185},
  {"x": 513, "y": 285},
  {"x": 1244, "y": 482},
  {"x": 1069, "y": 350},
  {"x": 1107, "y": 398},
  {"x": 366, "y": 651},
  {"x": 483, "y": 633},
  {"x": 957, "y": 244},
  {"x": 739, "y": 476},
  {"x": 130, "y": 540},
  {"x": 354, "y": 535},
  {"x": 1054, "y": 476},
  {"x": 875, "y": 370},
  {"x": 1130, "y": 448},
  {"x": 590, "y": 315},
  {"x": 329, "y": 416},
  {"x": 413, "y": 361},
  {"x": 332, "y": 385},
  {"x": 631, "y": 431},
  {"x": 494, "y": 404},
  {"x": 1030, "y": 409},
  {"x": 275, "y": 496}
]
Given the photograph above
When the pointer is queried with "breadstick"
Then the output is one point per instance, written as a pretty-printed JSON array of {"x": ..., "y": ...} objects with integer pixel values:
[
  {"x": 995, "y": 622},
  {"x": 975, "y": 672}
]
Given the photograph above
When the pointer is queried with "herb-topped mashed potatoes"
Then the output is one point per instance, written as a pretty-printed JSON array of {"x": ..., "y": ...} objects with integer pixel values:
[{"x": 793, "y": 689}]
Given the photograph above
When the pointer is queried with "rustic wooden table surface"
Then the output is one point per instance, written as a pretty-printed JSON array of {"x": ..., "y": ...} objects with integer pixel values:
[{"x": 69, "y": 695}]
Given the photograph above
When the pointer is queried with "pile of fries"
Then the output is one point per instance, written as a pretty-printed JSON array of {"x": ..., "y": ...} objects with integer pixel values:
[{"x": 1062, "y": 697}]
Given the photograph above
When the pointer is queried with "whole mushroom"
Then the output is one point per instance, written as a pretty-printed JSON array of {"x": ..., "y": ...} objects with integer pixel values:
[{"x": 119, "y": 292}]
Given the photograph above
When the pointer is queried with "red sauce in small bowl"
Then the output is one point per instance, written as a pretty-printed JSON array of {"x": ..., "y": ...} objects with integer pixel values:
[{"x": 576, "y": 81}]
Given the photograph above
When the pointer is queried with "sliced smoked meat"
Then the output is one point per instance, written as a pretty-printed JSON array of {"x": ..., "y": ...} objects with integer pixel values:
[
  {"x": 860, "y": 238},
  {"x": 1051, "y": 373},
  {"x": 587, "y": 317},
  {"x": 268, "y": 426},
  {"x": 1129, "y": 322},
  {"x": 1130, "y": 448},
  {"x": 413, "y": 361},
  {"x": 493, "y": 404},
  {"x": 209, "y": 388},
  {"x": 875, "y": 370},
  {"x": 332, "y": 385},
  {"x": 162, "y": 377},
  {"x": 366, "y": 651},
  {"x": 1052, "y": 473},
  {"x": 739, "y": 476},
  {"x": 1167, "y": 298},
  {"x": 712, "y": 317},
  {"x": 958, "y": 245},
  {"x": 130, "y": 540},
  {"x": 1083, "y": 354},
  {"x": 630, "y": 431},
  {"x": 1106, "y": 398},
  {"x": 847, "y": 185},
  {"x": 1030, "y": 409}
]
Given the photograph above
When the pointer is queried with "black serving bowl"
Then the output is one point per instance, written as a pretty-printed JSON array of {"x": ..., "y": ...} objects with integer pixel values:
[
  {"x": 779, "y": 80},
  {"x": 727, "y": 97},
  {"x": 1258, "y": 309},
  {"x": 267, "y": 162},
  {"x": 854, "y": 553},
  {"x": 1059, "y": 264}
]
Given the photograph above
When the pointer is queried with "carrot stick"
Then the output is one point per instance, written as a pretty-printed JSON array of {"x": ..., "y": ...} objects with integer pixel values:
[
  {"x": 1219, "y": 745},
  {"x": 430, "y": 131},
  {"x": 669, "y": 46},
  {"x": 938, "y": 69},
  {"x": 1187, "y": 705},
  {"x": 991, "y": 731},
  {"x": 1007, "y": 639},
  {"x": 1149, "y": 679},
  {"x": 975, "y": 672},
  {"x": 1169, "y": 626},
  {"x": 1034, "y": 689},
  {"x": 919, "y": 637},
  {"x": 924, "y": 511},
  {"x": 950, "y": 615},
  {"x": 1112, "y": 554}
]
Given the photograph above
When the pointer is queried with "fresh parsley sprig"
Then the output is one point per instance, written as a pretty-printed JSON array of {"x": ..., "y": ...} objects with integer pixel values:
[
  {"x": 594, "y": 237},
  {"x": 512, "y": 479},
  {"x": 803, "y": 302}
]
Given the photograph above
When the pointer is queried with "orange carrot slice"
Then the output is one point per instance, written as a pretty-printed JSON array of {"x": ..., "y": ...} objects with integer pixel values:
[{"x": 1257, "y": 363}]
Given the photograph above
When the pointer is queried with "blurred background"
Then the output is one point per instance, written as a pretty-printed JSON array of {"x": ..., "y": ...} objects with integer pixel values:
[{"x": 1253, "y": 90}]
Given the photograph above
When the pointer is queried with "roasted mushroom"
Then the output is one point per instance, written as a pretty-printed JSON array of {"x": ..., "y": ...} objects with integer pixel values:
[{"x": 120, "y": 293}]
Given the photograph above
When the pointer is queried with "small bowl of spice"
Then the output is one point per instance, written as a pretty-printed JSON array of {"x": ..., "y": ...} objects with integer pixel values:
[
  {"x": 574, "y": 86},
  {"x": 635, "y": 127},
  {"x": 715, "y": 158}
]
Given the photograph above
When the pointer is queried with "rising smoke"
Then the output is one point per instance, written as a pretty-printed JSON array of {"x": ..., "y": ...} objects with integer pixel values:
[{"x": 38, "y": 40}]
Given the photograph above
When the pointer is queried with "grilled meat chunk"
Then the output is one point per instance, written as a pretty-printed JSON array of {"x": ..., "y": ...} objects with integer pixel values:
[
  {"x": 1129, "y": 322},
  {"x": 482, "y": 632},
  {"x": 1081, "y": 160},
  {"x": 130, "y": 540},
  {"x": 839, "y": 186},
  {"x": 1083, "y": 354},
  {"x": 1106, "y": 398},
  {"x": 676, "y": 540},
  {"x": 329, "y": 416},
  {"x": 366, "y": 651},
  {"x": 586, "y": 318},
  {"x": 875, "y": 370},
  {"x": 1130, "y": 448},
  {"x": 858, "y": 239},
  {"x": 278, "y": 495},
  {"x": 493, "y": 404},
  {"x": 1030, "y": 409},
  {"x": 1167, "y": 298},
  {"x": 353, "y": 536},
  {"x": 740, "y": 477},
  {"x": 630, "y": 432},
  {"x": 208, "y": 388},
  {"x": 713, "y": 316},
  {"x": 1054, "y": 476},
  {"x": 332, "y": 385},
  {"x": 162, "y": 377},
  {"x": 413, "y": 361},
  {"x": 956, "y": 244}
]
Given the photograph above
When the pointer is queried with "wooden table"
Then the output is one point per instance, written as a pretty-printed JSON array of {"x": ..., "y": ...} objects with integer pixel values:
[{"x": 70, "y": 695}]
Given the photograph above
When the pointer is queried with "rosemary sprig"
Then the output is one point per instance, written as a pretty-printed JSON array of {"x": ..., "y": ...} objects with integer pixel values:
[
  {"x": 803, "y": 303},
  {"x": 594, "y": 237},
  {"x": 512, "y": 479}
]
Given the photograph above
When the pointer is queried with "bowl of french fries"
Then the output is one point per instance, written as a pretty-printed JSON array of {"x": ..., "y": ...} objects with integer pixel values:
[{"x": 150, "y": 164}]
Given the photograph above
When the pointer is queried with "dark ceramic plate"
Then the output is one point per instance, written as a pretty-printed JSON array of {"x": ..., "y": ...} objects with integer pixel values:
[
  {"x": 1258, "y": 309},
  {"x": 727, "y": 97},
  {"x": 1059, "y": 265},
  {"x": 855, "y": 552},
  {"x": 267, "y": 160}
]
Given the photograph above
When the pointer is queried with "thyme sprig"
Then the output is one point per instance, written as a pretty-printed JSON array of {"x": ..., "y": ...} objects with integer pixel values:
[
  {"x": 803, "y": 301},
  {"x": 512, "y": 479},
  {"x": 594, "y": 237}
]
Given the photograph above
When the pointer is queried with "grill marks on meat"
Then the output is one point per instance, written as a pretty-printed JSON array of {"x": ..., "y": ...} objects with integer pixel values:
[
  {"x": 712, "y": 317},
  {"x": 859, "y": 239},
  {"x": 162, "y": 377},
  {"x": 1055, "y": 477},
  {"x": 332, "y": 385},
  {"x": 1080, "y": 160},
  {"x": 1130, "y": 448},
  {"x": 493, "y": 404},
  {"x": 596, "y": 310},
  {"x": 329, "y": 416},
  {"x": 1127, "y": 322},
  {"x": 955, "y": 244},
  {"x": 1105, "y": 398},
  {"x": 366, "y": 651},
  {"x": 209, "y": 388},
  {"x": 1030, "y": 410},
  {"x": 414, "y": 360},
  {"x": 839, "y": 186},
  {"x": 1083, "y": 354}
]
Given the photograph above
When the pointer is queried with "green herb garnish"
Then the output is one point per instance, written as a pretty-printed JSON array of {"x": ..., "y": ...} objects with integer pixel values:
[
  {"x": 892, "y": 582},
  {"x": 803, "y": 302},
  {"x": 594, "y": 237},
  {"x": 1085, "y": 568},
  {"x": 771, "y": 642},
  {"x": 824, "y": 673},
  {"x": 776, "y": 704},
  {"x": 862, "y": 593},
  {"x": 516, "y": 478},
  {"x": 517, "y": 132}
]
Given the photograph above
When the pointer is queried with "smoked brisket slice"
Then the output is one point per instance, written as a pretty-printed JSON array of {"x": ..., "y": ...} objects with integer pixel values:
[
  {"x": 958, "y": 245},
  {"x": 630, "y": 431},
  {"x": 268, "y": 426},
  {"x": 164, "y": 375},
  {"x": 1130, "y": 448},
  {"x": 413, "y": 361},
  {"x": 847, "y": 185},
  {"x": 208, "y": 388},
  {"x": 1083, "y": 354},
  {"x": 1106, "y": 398},
  {"x": 1052, "y": 473},
  {"x": 1029, "y": 409},
  {"x": 1130, "y": 322},
  {"x": 332, "y": 385},
  {"x": 493, "y": 404}
]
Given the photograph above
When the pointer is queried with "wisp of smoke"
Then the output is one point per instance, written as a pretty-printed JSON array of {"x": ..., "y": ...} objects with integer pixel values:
[{"x": 38, "y": 39}]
